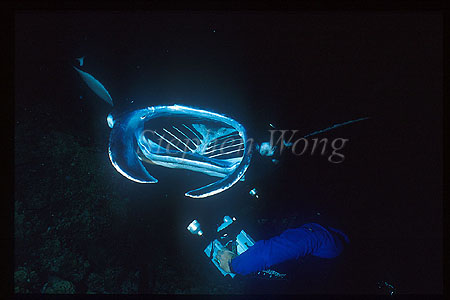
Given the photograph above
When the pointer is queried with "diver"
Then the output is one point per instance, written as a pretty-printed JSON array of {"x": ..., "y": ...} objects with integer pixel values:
[{"x": 310, "y": 239}]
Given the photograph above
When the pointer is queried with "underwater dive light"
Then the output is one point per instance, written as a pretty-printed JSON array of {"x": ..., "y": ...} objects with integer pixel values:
[
  {"x": 194, "y": 228},
  {"x": 254, "y": 193},
  {"x": 227, "y": 220},
  {"x": 239, "y": 241}
]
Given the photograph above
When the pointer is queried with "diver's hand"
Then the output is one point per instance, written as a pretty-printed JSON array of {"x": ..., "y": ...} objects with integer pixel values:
[{"x": 224, "y": 258}]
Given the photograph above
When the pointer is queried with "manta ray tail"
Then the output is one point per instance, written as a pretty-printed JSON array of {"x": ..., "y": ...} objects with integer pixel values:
[
  {"x": 95, "y": 86},
  {"x": 334, "y": 126}
]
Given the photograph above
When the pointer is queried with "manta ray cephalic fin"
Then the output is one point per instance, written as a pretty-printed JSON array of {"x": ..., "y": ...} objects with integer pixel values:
[{"x": 122, "y": 149}]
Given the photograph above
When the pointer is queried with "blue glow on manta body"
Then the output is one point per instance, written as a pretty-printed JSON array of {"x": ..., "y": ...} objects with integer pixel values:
[
  {"x": 205, "y": 142},
  {"x": 222, "y": 150},
  {"x": 130, "y": 130}
]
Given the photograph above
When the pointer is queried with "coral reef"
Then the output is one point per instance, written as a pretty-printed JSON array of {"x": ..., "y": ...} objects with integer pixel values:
[
  {"x": 24, "y": 280},
  {"x": 58, "y": 286}
]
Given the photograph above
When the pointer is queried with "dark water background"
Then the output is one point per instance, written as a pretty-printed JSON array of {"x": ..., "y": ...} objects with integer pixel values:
[{"x": 300, "y": 72}]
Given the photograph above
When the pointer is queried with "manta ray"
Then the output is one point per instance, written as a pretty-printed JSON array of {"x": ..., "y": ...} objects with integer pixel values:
[
  {"x": 176, "y": 136},
  {"x": 182, "y": 137}
]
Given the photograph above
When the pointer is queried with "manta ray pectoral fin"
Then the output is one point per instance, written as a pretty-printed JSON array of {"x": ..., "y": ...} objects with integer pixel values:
[
  {"x": 225, "y": 183},
  {"x": 122, "y": 151},
  {"x": 95, "y": 86}
]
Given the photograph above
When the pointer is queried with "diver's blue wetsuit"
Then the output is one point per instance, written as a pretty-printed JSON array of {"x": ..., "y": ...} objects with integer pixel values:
[{"x": 309, "y": 239}]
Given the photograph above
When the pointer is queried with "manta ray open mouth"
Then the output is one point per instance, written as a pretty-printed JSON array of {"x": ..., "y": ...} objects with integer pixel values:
[
  {"x": 184, "y": 138},
  {"x": 217, "y": 147}
]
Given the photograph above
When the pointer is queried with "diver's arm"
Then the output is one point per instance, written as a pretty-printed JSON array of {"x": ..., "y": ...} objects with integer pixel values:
[{"x": 291, "y": 244}]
